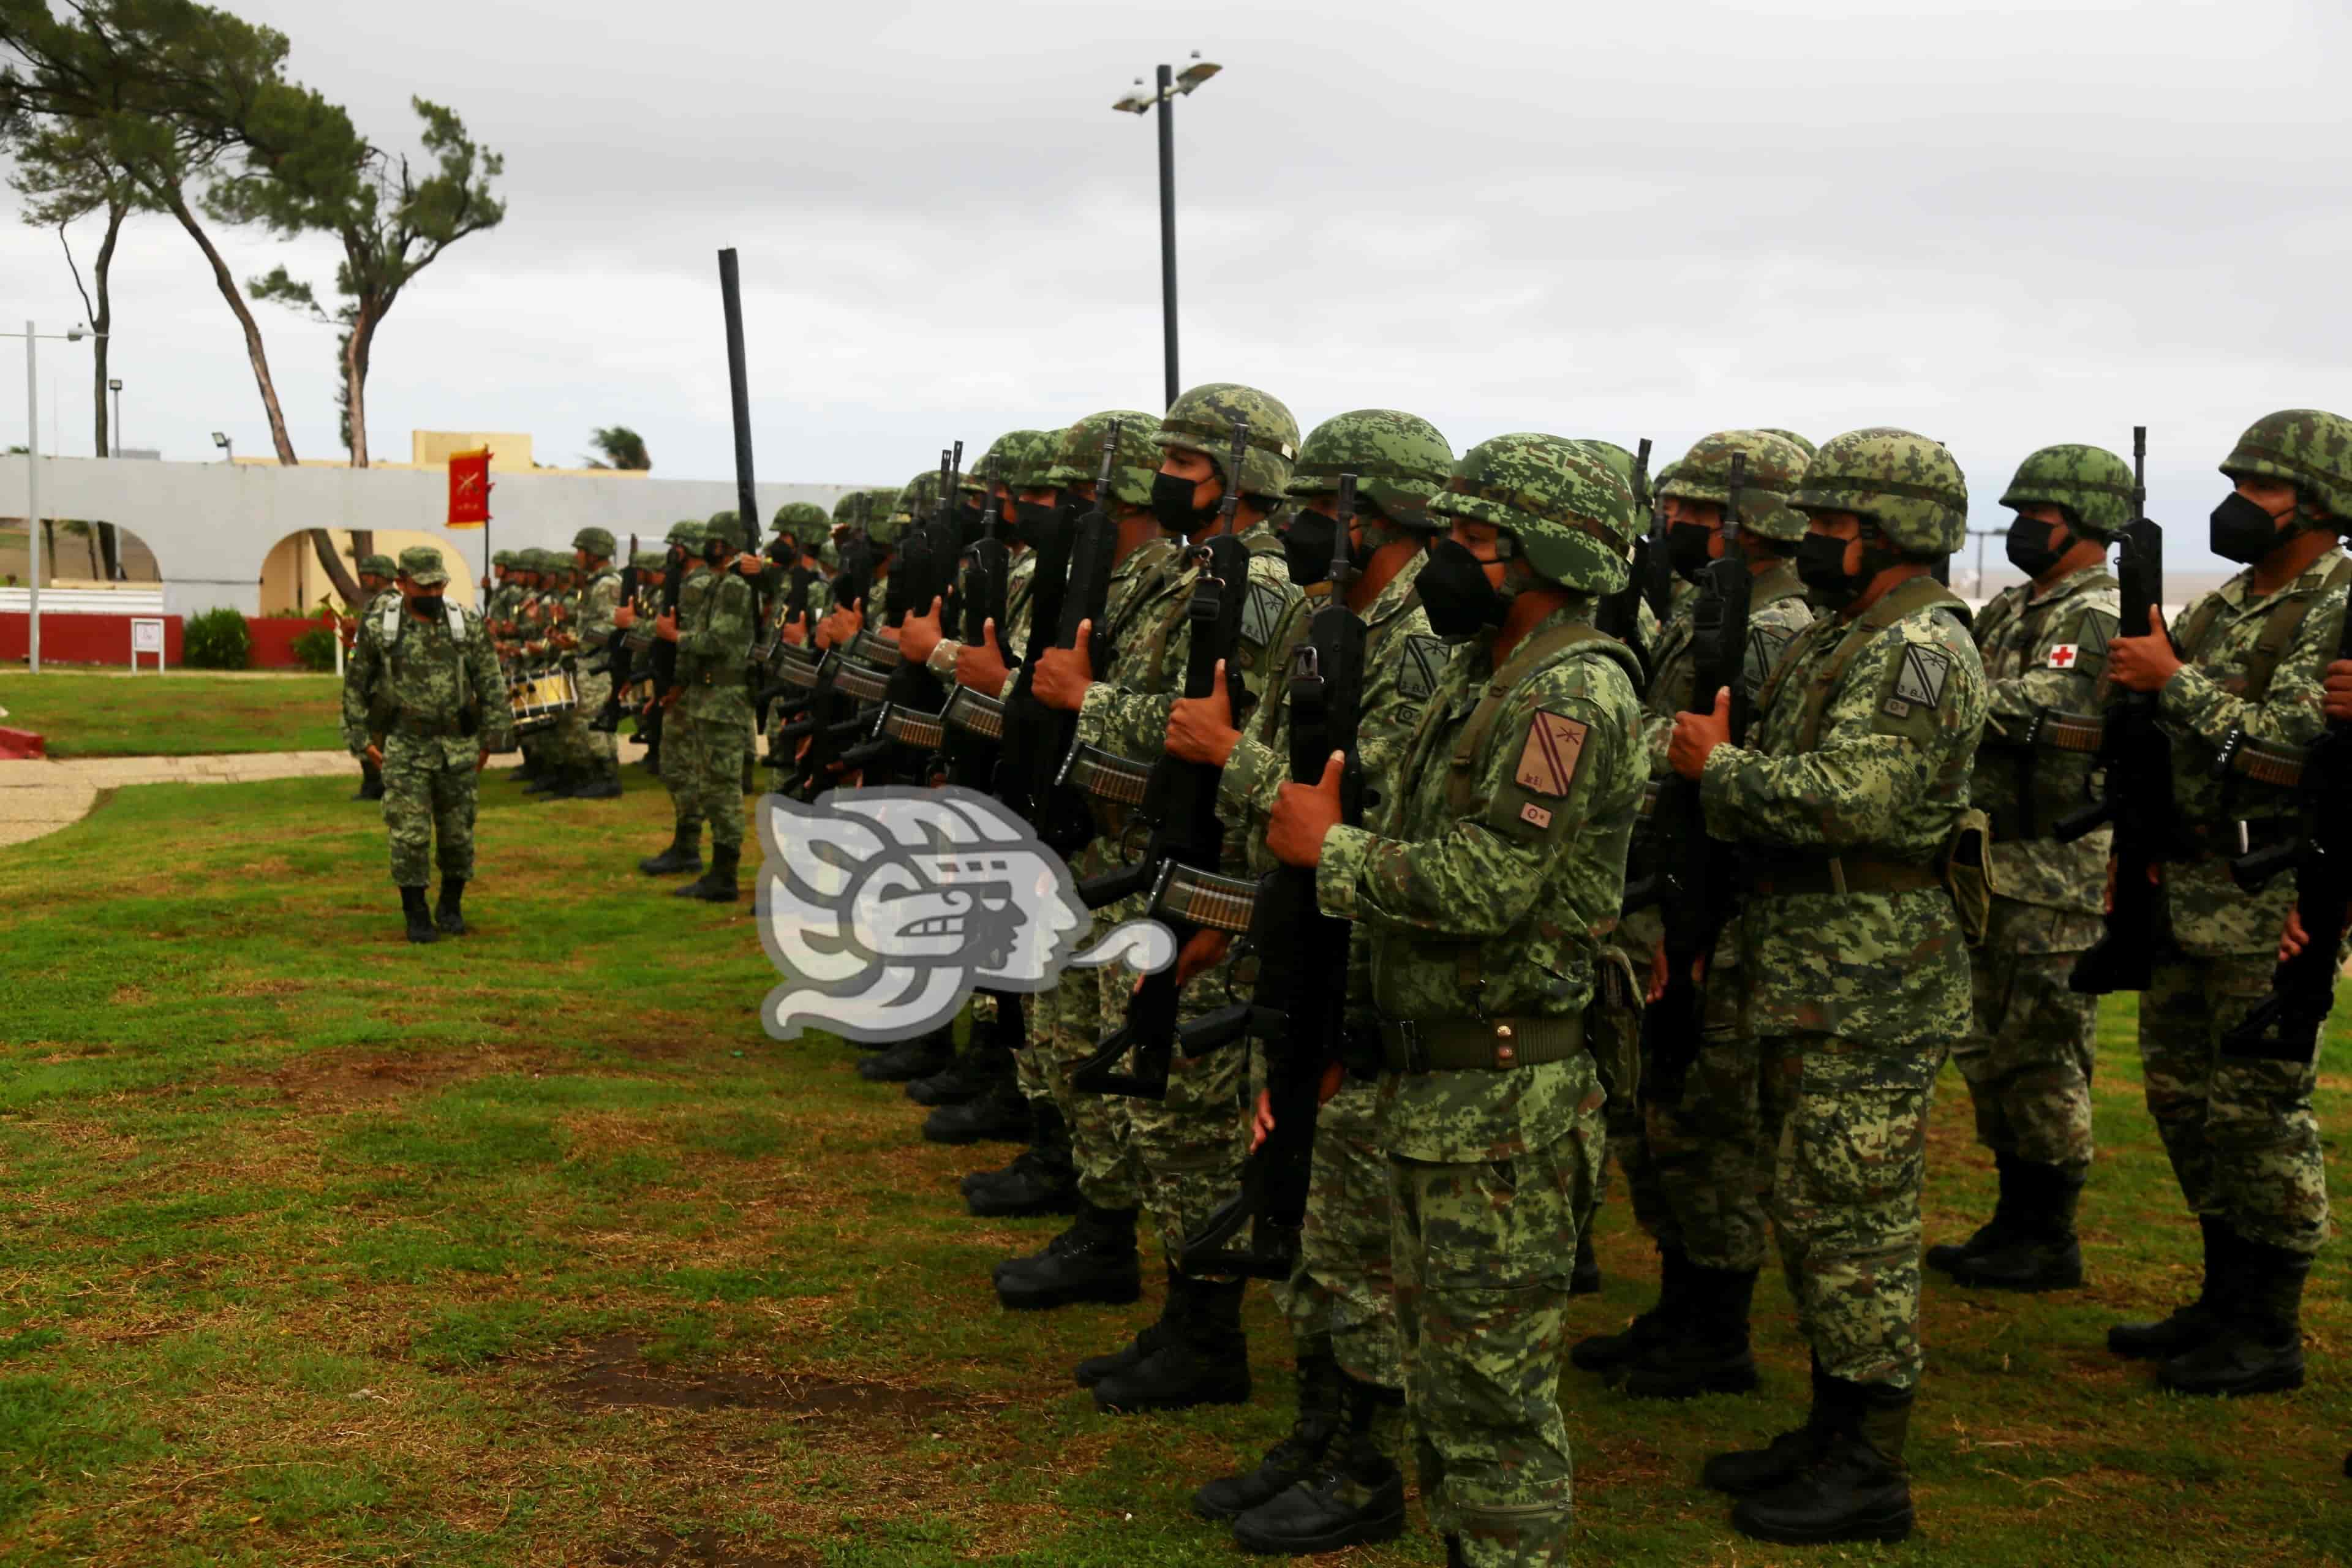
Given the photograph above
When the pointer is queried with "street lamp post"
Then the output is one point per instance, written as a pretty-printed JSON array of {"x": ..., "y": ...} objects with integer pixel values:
[
  {"x": 1170, "y": 84},
  {"x": 33, "y": 476},
  {"x": 116, "y": 431},
  {"x": 228, "y": 451}
]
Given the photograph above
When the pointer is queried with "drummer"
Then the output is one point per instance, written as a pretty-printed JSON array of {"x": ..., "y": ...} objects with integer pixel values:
[
  {"x": 585, "y": 759},
  {"x": 636, "y": 618},
  {"x": 544, "y": 628}
]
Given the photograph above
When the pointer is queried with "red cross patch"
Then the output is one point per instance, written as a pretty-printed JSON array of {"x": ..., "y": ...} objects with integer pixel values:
[{"x": 2063, "y": 656}]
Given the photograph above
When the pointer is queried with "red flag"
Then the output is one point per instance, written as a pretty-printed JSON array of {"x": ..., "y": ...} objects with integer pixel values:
[{"x": 469, "y": 488}]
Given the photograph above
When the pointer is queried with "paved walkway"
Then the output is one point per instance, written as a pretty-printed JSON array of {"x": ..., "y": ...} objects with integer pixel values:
[{"x": 40, "y": 796}]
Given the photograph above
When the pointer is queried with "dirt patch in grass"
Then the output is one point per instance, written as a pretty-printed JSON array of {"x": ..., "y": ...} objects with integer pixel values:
[
  {"x": 613, "y": 1372},
  {"x": 347, "y": 1079},
  {"x": 703, "y": 1549}
]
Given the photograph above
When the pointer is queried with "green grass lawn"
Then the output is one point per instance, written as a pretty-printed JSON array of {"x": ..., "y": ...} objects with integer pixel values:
[
  {"x": 176, "y": 715},
  {"x": 531, "y": 1248}
]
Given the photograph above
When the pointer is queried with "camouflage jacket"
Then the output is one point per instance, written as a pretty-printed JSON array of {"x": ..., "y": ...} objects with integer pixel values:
[
  {"x": 1777, "y": 613},
  {"x": 1020, "y": 599},
  {"x": 2201, "y": 706},
  {"x": 714, "y": 639},
  {"x": 2042, "y": 654},
  {"x": 598, "y": 600},
  {"x": 1489, "y": 900},
  {"x": 1883, "y": 781},
  {"x": 419, "y": 680},
  {"x": 1127, "y": 714}
]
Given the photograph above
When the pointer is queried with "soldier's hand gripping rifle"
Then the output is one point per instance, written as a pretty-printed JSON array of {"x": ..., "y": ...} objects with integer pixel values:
[
  {"x": 840, "y": 688},
  {"x": 1179, "y": 805},
  {"x": 923, "y": 571},
  {"x": 2135, "y": 795},
  {"x": 1299, "y": 1006},
  {"x": 2285, "y": 1026},
  {"x": 1621, "y": 613},
  {"x": 1696, "y": 881}
]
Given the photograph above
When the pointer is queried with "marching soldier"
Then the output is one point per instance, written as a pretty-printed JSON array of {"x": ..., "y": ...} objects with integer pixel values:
[
  {"x": 590, "y": 754},
  {"x": 2027, "y": 1057},
  {"x": 1485, "y": 890},
  {"x": 427, "y": 702},
  {"x": 712, "y": 629},
  {"x": 376, "y": 574},
  {"x": 685, "y": 851},
  {"x": 2244, "y": 1142},
  {"x": 1850, "y": 794}
]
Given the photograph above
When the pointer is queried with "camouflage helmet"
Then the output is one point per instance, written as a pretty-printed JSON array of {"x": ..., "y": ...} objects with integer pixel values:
[
  {"x": 382, "y": 566},
  {"x": 2091, "y": 484},
  {"x": 918, "y": 499},
  {"x": 594, "y": 540},
  {"x": 687, "y": 535},
  {"x": 1904, "y": 483},
  {"x": 1794, "y": 439},
  {"x": 1020, "y": 458},
  {"x": 1203, "y": 421},
  {"x": 726, "y": 525},
  {"x": 1570, "y": 512},
  {"x": 2306, "y": 447},
  {"x": 1077, "y": 455},
  {"x": 800, "y": 519},
  {"x": 1775, "y": 467},
  {"x": 497, "y": 558},
  {"x": 649, "y": 561},
  {"x": 1400, "y": 461},
  {"x": 849, "y": 511}
]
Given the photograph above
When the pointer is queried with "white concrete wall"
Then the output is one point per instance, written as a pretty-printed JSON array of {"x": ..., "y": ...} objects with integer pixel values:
[{"x": 211, "y": 525}]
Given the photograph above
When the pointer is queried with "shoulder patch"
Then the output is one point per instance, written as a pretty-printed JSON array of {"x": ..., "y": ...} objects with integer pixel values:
[
  {"x": 1423, "y": 658},
  {"x": 2094, "y": 631},
  {"x": 1764, "y": 647},
  {"x": 1547, "y": 757},
  {"x": 2066, "y": 655},
  {"x": 1921, "y": 677},
  {"x": 1262, "y": 610}
]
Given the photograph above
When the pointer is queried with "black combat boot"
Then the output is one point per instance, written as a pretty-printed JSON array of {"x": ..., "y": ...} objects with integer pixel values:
[
  {"x": 2187, "y": 1327},
  {"x": 1856, "y": 1488},
  {"x": 2259, "y": 1346},
  {"x": 716, "y": 886},
  {"x": 1042, "y": 1179},
  {"x": 1710, "y": 1356},
  {"x": 550, "y": 783},
  {"x": 751, "y": 783},
  {"x": 371, "y": 781},
  {"x": 1354, "y": 1498},
  {"x": 2041, "y": 1252},
  {"x": 1994, "y": 1234},
  {"x": 1173, "y": 1302},
  {"x": 1202, "y": 1358},
  {"x": 1297, "y": 1457},
  {"x": 1000, "y": 1116},
  {"x": 912, "y": 1058},
  {"x": 1094, "y": 1260},
  {"x": 1745, "y": 1472},
  {"x": 1455, "y": 1557},
  {"x": 529, "y": 768},
  {"x": 450, "y": 915},
  {"x": 684, "y": 854},
  {"x": 1610, "y": 1354},
  {"x": 1584, "y": 1278},
  {"x": 601, "y": 780},
  {"x": 420, "y": 918},
  {"x": 977, "y": 1069}
]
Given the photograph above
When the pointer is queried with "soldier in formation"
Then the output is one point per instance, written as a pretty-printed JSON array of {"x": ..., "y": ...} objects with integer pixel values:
[{"x": 376, "y": 576}]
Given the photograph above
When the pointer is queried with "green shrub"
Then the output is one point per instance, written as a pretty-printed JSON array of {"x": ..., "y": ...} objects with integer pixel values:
[
  {"x": 291, "y": 616},
  {"x": 217, "y": 639},
  {"x": 316, "y": 648}
]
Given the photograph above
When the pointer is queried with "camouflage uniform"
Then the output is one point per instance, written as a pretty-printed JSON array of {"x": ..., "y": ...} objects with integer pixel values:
[
  {"x": 679, "y": 762},
  {"x": 1485, "y": 893},
  {"x": 1853, "y": 778},
  {"x": 590, "y": 751},
  {"x": 713, "y": 715},
  {"x": 429, "y": 689},
  {"x": 379, "y": 566}
]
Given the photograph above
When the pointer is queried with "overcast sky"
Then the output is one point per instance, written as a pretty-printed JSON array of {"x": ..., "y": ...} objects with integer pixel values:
[{"x": 2003, "y": 226}]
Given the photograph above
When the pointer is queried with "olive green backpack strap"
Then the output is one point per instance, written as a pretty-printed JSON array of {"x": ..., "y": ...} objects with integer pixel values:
[
  {"x": 1905, "y": 599},
  {"x": 1530, "y": 656},
  {"x": 2280, "y": 627}
]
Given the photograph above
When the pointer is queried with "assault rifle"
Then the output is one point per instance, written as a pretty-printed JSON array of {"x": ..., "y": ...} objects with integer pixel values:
[
  {"x": 1620, "y": 613},
  {"x": 1299, "y": 1006},
  {"x": 981, "y": 597},
  {"x": 1696, "y": 881},
  {"x": 1180, "y": 806},
  {"x": 2285, "y": 1026},
  {"x": 2137, "y": 794},
  {"x": 922, "y": 570},
  {"x": 616, "y": 654}
]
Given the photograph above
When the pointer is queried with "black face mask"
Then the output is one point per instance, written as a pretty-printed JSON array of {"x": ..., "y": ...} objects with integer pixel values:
[
  {"x": 1686, "y": 547},
  {"x": 1455, "y": 595},
  {"x": 1034, "y": 521},
  {"x": 2242, "y": 531},
  {"x": 1308, "y": 545},
  {"x": 1821, "y": 567},
  {"x": 428, "y": 603},
  {"x": 1171, "y": 503},
  {"x": 714, "y": 550},
  {"x": 2032, "y": 545}
]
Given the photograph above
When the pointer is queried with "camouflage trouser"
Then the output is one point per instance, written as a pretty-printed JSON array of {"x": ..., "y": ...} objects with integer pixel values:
[
  {"x": 708, "y": 785},
  {"x": 1712, "y": 1150},
  {"x": 2026, "y": 1056},
  {"x": 429, "y": 789},
  {"x": 1343, "y": 1291},
  {"x": 1065, "y": 1030},
  {"x": 1845, "y": 1196},
  {"x": 2243, "y": 1141},
  {"x": 1629, "y": 1141},
  {"x": 678, "y": 771},
  {"x": 580, "y": 746},
  {"x": 1189, "y": 1147},
  {"x": 1483, "y": 1253}
]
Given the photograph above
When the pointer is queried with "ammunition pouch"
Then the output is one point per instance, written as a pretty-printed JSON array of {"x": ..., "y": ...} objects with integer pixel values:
[
  {"x": 1479, "y": 1045},
  {"x": 1966, "y": 862},
  {"x": 1613, "y": 1025}
]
